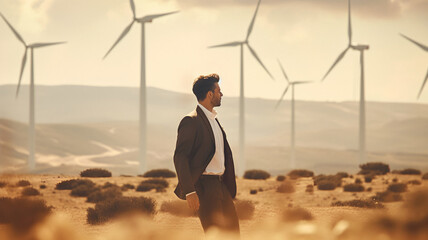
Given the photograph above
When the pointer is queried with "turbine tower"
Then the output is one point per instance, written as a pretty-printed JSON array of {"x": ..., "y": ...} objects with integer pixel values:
[
  {"x": 293, "y": 126},
  {"x": 362, "y": 118},
  {"x": 31, "y": 129},
  {"x": 142, "y": 102},
  {"x": 425, "y": 48},
  {"x": 241, "y": 44}
]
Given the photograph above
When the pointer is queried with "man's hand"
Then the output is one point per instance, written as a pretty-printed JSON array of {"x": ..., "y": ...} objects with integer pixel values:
[{"x": 193, "y": 201}]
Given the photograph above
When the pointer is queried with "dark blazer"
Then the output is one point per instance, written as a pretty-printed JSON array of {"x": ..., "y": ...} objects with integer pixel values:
[{"x": 194, "y": 150}]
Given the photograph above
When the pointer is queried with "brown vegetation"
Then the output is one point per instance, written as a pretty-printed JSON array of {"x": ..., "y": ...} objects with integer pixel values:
[
  {"x": 359, "y": 203},
  {"x": 286, "y": 187},
  {"x": 280, "y": 178},
  {"x": 387, "y": 196},
  {"x": 296, "y": 214},
  {"x": 408, "y": 171},
  {"x": 177, "y": 208},
  {"x": 376, "y": 168},
  {"x": 397, "y": 187},
  {"x": 256, "y": 174},
  {"x": 30, "y": 191},
  {"x": 353, "y": 188},
  {"x": 23, "y": 183},
  {"x": 298, "y": 173},
  {"x": 244, "y": 209},
  {"x": 160, "y": 173},
  {"x": 149, "y": 184},
  {"x": 95, "y": 173}
]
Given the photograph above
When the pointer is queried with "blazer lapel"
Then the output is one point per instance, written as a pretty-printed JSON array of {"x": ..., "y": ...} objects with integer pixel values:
[{"x": 206, "y": 123}]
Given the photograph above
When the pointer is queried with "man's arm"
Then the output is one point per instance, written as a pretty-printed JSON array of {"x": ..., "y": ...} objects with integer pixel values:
[{"x": 185, "y": 139}]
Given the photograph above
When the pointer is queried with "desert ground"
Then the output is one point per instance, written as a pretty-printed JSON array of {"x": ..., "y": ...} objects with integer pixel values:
[{"x": 69, "y": 214}]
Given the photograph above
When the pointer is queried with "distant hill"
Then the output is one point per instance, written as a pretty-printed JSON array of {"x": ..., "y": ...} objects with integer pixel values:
[{"x": 88, "y": 126}]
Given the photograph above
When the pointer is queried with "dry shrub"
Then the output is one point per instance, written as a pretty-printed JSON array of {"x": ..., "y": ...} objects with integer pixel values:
[
  {"x": 178, "y": 208},
  {"x": 127, "y": 186},
  {"x": 358, "y": 181},
  {"x": 286, "y": 187},
  {"x": 376, "y": 168},
  {"x": 42, "y": 186},
  {"x": 425, "y": 176},
  {"x": 397, "y": 187},
  {"x": 110, "y": 185},
  {"x": 414, "y": 182},
  {"x": 104, "y": 194},
  {"x": 30, "y": 191},
  {"x": 112, "y": 208},
  {"x": 244, "y": 209},
  {"x": 256, "y": 174},
  {"x": 72, "y": 183},
  {"x": 95, "y": 173},
  {"x": 22, "y": 213},
  {"x": 3, "y": 184},
  {"x": 369, "y": 203},
  {"x": 353, "y": 188},
  {"x": 335, "y": 179},
  {"x": 253, "y": 191},
  {"x": 387, "y": 196},
  {"x": 409, "y": 171},
  {"x": 326, "y": 185},
  {"x": 23, "y": 183},
  {"x": 368, "y": 178},
  {"x": 309, "y": 188},
  {"x": 83, "y": 190},
  {"x": 280, "y": 178},
  {"x": 296, "y": 214},
  {"x": 298, "y": 173},
  {"x": 160, "y": 173},
  {"x": 149, "y": 184},
  {"x": 342, "y": 174}
]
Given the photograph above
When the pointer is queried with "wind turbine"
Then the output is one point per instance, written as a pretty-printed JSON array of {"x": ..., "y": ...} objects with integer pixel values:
[
  {"x": 31, "y": 129},
  {"x": 293, "y": 127},
  {"x": 362, "y": 120},
  {"x": 142, "y": 102},
  {"x": 425, "y": 48},
  {"x": 241, "y": 92}
]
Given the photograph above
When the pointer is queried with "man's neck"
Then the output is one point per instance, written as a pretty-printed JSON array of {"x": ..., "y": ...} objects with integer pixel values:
[{"x": 206, "y": 105}]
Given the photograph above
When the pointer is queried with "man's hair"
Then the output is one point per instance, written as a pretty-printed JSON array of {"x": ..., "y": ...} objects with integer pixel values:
[{"x": 203, "y": 84}]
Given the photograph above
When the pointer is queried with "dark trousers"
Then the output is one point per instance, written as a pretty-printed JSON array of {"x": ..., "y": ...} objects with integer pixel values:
[{"x": 216, "y": 206}]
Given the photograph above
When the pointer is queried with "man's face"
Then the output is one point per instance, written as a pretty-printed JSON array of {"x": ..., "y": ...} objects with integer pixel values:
[{"x": 216, "y": 97}]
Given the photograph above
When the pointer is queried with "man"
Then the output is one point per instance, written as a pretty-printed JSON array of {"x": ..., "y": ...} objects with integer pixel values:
[{"x": 203, "y": 160}]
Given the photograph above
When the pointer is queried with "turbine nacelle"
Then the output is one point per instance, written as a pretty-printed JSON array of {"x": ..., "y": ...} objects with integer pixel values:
[{"x": 360, "y": 47}]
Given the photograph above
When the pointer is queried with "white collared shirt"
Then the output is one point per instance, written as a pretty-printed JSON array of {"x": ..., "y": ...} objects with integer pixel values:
[{"x": 216, "y": 165}]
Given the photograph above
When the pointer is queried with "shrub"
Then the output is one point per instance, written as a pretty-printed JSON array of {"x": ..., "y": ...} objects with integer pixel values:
[
  {"x": 342, "y": 174},
  {"x": 326, "y": 185},
  {"x": 358, "y": 203},
  {"x": 410, "y": 171},
  {"x": 369, "y": 189},
  {"x": 104, "y": 194},
  {"x": 160, "y": 173},
  {"x": 414, "y": 182},
  {"x": 309, "y": 188},
  {"x": 253, "y": 191},
  {"x": 149, "y": 184},
  {"x": 178, "y": 208},
  {"x": 244, "y": 209},
  {"x": 376, "y": 168},
  {"x": 109, "y": 185},
  {"x": 296, "y": 214},
  {"x": 425, "y": 176},
  {"x": 95, "y": 172},
  {"x": 298, "y": 173},
  {"x": 256, "y": 174},
  {"x": 22, "y": 213},
  {"x": 23, "y": 183},
  {"x": 368, "y": 178},
  {"x": 280, "y": 178},
  {"x": 358, "y": 181},
  {"x": 395, "y": 180},
  {"x": 286, "y": 187},
  {"x": 83, "y": 190},
  {"x": 387, "y": 196},
  {"x": 335, "y": 179},
  {"x": 42, "y": 186},
  {"x": 30, "y": 191},
  {"x": 3, "y": 184},
  {"x": 353, "y": 188},
  {"x": 112, "y": 208},
  {"x": 397, "y": 187},
  {"x": 72, "y": 183},
  {"x": 127, "y": 186}
]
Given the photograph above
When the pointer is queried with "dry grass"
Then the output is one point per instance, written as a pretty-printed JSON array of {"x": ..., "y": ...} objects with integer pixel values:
[
  {"x": 296, "y": 214},
  {"x": 29, "y": 191},
  {"x": 368, "y": 203},
  {"x": 286, "y": 187}
]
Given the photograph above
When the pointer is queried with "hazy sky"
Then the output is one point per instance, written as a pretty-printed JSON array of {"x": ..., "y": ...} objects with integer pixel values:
[{"x": 306, "y": 35}]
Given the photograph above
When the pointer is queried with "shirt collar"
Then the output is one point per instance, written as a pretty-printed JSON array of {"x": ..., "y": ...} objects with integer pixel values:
[{"x": 211, "y": 115}]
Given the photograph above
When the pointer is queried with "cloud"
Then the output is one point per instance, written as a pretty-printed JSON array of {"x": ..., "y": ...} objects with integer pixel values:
[
  {"x": 34, "y": 14},
  {"x": 364, "y": 8}
]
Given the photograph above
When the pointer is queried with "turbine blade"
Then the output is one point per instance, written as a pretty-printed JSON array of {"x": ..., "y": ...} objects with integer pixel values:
[
  {"x": 250, "y": 28},
  {"x": 349, "y": 23},
  {"x": 335, "y": 62},
  {"x": 425, "y": 48},
  {"x": 39, "y": 45},
  {"x": 282, "y": 97},
  {"x": 24, "y": 60},
  {"x": 230, "y": 44},
  {"x": 122, "y": 35},
  {"x": 283, "y": 72},
  {"x": 13, "y": 30},
  {"x": 302, "y": 82},
  {"x": 149, "y": 18},
  {"x": 258, "y": 59},
  {"x": 133, "y": 8},
  {"x": 423, "y": 85}
]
